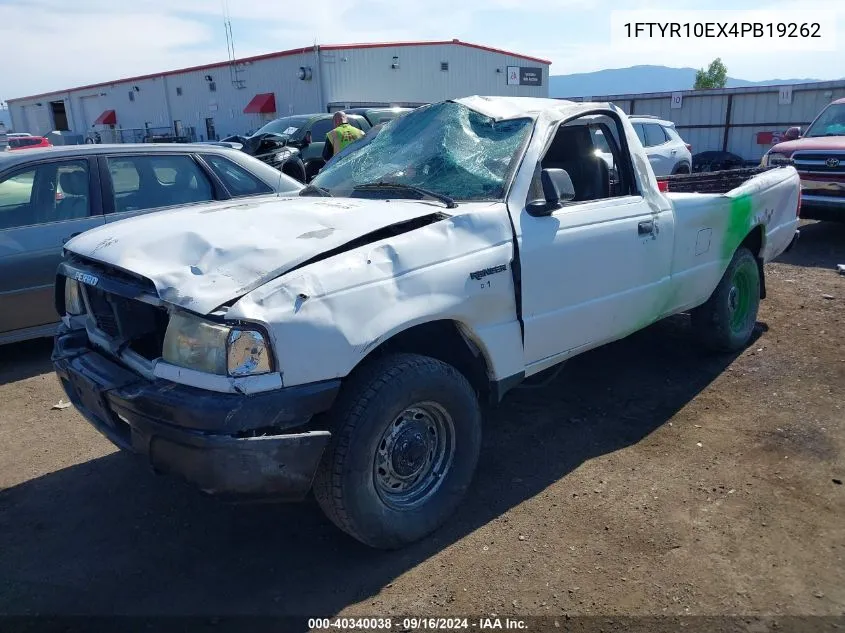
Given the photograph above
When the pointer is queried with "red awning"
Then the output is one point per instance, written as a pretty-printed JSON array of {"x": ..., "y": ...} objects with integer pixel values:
[
  {"x": 264, "y": 103},
  {"x": 106, "y": 118}
]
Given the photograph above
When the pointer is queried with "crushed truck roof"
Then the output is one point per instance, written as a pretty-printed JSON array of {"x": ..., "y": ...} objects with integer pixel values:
[{"x": 503, "y": 108}]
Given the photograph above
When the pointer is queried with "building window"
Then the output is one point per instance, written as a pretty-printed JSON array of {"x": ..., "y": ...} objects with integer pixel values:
[
  {"x": 444, "y": 66},
  {"x": 212, "y": 86},
  {"x": 131, "y": 96},
  {"x": 179, "y": 91}
]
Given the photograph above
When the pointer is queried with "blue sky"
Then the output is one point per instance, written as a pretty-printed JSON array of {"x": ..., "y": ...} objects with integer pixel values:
[{"x": 55, "y": 44}]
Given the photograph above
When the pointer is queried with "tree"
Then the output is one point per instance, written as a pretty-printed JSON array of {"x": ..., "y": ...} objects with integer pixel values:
[{"x": 716, "y": 76}]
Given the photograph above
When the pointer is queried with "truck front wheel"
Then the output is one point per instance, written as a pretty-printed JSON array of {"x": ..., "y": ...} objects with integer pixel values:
[
  {"x": 726, "y": 321},
  {"x": 406, "y": 434}
]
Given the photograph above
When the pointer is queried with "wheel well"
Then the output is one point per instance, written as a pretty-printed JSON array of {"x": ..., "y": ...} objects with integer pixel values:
[
  {"x": 444, "y": 341},
  {"x": 754, "y": 243}
]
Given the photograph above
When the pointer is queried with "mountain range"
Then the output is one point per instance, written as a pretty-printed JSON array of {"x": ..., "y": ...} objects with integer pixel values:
[{"x": 640, "y": 79}]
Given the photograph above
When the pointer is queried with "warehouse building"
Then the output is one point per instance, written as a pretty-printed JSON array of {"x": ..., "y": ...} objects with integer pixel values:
[{"x": 216, "y": 100}]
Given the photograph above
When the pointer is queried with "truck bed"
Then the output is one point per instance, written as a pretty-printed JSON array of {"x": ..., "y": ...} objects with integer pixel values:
[
  {"x": 715, "y": 212},
  {"x": 711, "y": 182}
]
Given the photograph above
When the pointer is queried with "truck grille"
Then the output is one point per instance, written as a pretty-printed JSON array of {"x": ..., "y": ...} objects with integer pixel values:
[
  {"x": 103, "y": 312},
  {"x": 140, "y": 325},
  {"x": 820, "y": 162}
]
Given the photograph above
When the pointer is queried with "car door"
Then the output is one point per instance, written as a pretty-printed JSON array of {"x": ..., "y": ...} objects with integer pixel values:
[
  {"x": 597, "y": 268},
  {"x": 141, "y": 183},
  {"x": 661, "y": 154},
  {"x": 42, "y": 205}
]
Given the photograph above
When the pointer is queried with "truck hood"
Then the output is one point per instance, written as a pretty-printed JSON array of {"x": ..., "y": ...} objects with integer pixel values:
[
  {"x": 206, "y": 255},
  {"x": 811, "y": 143}
]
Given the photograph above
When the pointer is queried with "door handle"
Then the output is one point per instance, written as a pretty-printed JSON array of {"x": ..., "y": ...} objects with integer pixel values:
[
  {"x": 674, "y": 151},
  {"x": 65, "y": 240},
  {"x": 646, "y": 227}
]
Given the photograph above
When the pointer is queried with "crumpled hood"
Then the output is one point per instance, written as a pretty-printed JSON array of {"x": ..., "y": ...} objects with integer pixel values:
[{"x": 204, "y": 256}]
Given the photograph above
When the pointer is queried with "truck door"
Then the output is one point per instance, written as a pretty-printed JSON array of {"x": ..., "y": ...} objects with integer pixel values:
[{"x": 598, "y": 268}]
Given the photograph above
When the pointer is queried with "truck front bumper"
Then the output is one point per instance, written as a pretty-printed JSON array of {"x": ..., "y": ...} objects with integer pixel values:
[{"x": 198, "y": 434}]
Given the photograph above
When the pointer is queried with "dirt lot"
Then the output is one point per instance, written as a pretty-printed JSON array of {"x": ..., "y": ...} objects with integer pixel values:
[{"x": 647, "y": 479}]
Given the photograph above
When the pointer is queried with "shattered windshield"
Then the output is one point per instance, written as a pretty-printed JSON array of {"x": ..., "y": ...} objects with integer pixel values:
[
  {"x": 831, "y": 122},
  {"x": 446, "y": 148}
]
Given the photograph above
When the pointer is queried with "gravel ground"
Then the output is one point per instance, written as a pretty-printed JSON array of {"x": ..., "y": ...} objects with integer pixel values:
[{"x": 647, "y": 479}]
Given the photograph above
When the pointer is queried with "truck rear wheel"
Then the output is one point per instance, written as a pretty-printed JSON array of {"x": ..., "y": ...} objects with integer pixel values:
[
  {"x": 406, "y": 434},
  {"x": 726, "y": 321}
]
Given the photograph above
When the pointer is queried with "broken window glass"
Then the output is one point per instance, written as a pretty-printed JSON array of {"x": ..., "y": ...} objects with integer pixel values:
[{"x": 447, "y": 148}]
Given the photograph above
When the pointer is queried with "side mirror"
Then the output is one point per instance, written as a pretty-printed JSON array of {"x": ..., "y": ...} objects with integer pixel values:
[
  {"x": 306, "y": 141},
  {"x": 792, "y": 134},
  {"x": 557, "y": 189}
]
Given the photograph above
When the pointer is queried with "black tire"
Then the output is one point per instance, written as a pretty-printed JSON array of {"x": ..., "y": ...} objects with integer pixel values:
[
  {"x": 350, "y": 485},
  {"x": 683, "y": 168},
  {"x": 725, "y": 323}
]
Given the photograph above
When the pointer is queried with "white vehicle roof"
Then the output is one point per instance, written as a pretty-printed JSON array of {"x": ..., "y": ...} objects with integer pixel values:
[
  {"x": 503, "y": 108},
  {"x": 641, "y": 118}
]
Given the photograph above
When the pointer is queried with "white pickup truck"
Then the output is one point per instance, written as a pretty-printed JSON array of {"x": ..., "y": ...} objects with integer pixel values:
[{"x": 343, "y": 340}]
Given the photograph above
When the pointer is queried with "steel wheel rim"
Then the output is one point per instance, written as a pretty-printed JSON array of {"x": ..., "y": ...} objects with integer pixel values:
[
  {"x": 414, "y": 455},
  {"x": 739, "y": 298}
]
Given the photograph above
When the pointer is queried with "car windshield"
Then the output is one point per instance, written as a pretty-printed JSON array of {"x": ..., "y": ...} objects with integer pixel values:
[
  {"x": 287, "y": 126},
  {"x": 831, "y": 122},
  {"x": 446, "y": 148}
]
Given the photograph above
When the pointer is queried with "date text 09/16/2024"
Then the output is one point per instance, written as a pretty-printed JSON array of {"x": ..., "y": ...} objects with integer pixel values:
[{"x": 409, "y": 624}]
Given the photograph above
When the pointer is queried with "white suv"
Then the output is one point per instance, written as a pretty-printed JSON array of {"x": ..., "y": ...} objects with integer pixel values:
[{"x": 667, "y": 152}]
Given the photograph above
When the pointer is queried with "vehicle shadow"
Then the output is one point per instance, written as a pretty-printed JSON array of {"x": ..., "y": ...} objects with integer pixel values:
[
  {"x": 821, "y": 245},
  {"x": 108, "y": 537},
  {"x": 20, "y": 361}
]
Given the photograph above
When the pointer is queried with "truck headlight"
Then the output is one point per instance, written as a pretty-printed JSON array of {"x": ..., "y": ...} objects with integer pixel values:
[
  {"x": 194, "y": 343},
  {"x": 248, "y": 353},
  {"x": 774, "y": 158},
  {"x": 74, "y": 305}
]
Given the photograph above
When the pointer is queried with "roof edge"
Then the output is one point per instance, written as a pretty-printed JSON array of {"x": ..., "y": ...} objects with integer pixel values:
[{"x": 276, "y": 54}]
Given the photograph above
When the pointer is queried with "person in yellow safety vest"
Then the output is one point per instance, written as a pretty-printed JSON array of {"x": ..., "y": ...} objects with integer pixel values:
[{"x": 342, "y": 135}]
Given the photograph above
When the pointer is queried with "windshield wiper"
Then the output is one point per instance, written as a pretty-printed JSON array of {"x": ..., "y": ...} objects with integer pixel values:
[
  {"x": 310, "y": 190},
  {"x": 375, "y": 186}
]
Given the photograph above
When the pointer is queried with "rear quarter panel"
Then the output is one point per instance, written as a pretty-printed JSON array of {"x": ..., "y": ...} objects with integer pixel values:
[{"x": 710, "y": 227}]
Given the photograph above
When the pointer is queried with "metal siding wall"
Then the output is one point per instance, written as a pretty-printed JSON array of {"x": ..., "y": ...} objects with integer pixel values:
[
  {"x": 703, "y": 139},
  {"x": 27, "y": 116},
  {"x": 367, "y": 76},
  {"x": 653, "y": 107},
  {"x": 750, "y": 105},
  {"x": 17, "y": 116},
  {"x": 226, "y": 105}
]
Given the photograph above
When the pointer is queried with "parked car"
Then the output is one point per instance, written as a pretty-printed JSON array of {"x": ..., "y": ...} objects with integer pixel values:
[
  {"x": 27, "y": 142},
  {"x": 667, "y": 152},
  {"x": 304, "y": 134},
  {"x": 819, "y": 156},
  {"x": 344, "y": 339},
  {"x": 375, "y": 116},
  {"x": 51, "y": 195}
]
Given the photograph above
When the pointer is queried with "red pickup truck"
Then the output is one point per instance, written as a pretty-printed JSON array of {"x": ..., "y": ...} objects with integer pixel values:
[{"x": 819, "y": 156}]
